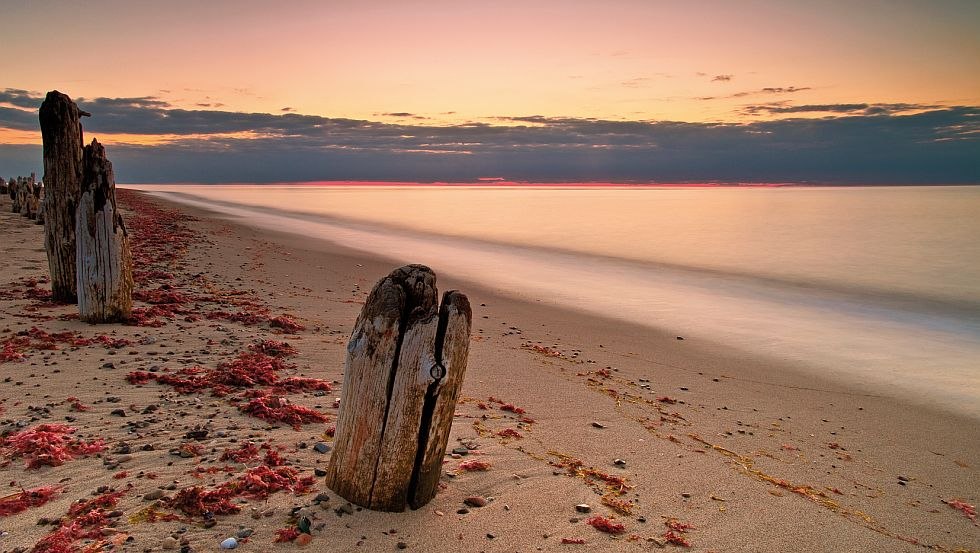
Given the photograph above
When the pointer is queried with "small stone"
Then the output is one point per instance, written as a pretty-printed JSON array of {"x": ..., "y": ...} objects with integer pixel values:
[
  {"x": 321, "y": 497},
  {"x": 303, "y": 540},
  {"x": 460, "y": 451},
  {"x": 619, "y": 462},
  {"x": 321, "y": 447},
  {"x": 462, "y": 511},
  {"x": 583, "y": 508},
  {"x": 154, "y": 495},
  {"x": 229, "y": 543},
  {"x": 475, "y": 501},
  {"x": 685, "y": 495},
  {"x": 118, "y": 412},
  {"x": 244, "y": 533},
  {"x": 402, "y": 545},
  {"x": 319, "y": 472},
  {"x": 169, "y": 543},
  {"x": 210, "y": 523},
  {"x": 598, "y": 425},
  {"x": 903, "y": 478}
]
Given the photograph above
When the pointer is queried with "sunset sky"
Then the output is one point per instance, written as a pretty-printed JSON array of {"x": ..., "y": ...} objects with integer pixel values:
[{"x": 628, "y": 90}]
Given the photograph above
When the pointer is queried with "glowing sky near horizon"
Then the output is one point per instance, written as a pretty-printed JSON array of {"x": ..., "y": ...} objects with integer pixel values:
[
  {"x": 884, "y": 91},
  {"x": 453, "y": 62}
]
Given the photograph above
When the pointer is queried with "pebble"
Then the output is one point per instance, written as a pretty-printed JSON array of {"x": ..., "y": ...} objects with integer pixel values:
[
  {"x": 154, "y": 495},
  {"x": 244, "y": 533},
  {"x": 229, "y": 543},
  {"x": 598, "y": 425},
  {"x": 475, "y": 501},
  {"x": 303, "y": 540},
  {"x": 583, "y": 508},
  {"x": 461, "y": 451},
  {"x": 402, "y": 545},
  {"x": 169, "y": 543},
  {"x": 321, "y": 447},
  {"x": 685, "y": 495},
  {"x": 619, "y": 462}
]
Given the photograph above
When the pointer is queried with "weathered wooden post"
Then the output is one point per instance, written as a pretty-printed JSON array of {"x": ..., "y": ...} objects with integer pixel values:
[
  {"x": 15, "y": 195},
  {"x": 39, "y": 202},
  {"x": 404, "y": 369},
  {"x": 105, "y": 272},
  {"x": 61, "y": 134}
]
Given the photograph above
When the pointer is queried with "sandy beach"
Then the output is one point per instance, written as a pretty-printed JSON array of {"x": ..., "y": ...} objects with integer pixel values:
[{"x": 687, "y": 444}]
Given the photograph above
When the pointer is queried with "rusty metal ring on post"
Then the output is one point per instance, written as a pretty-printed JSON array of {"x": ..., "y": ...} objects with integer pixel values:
[{"x": 437, "y": 371}]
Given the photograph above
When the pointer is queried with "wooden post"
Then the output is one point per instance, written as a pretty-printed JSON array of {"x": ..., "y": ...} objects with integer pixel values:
[
  {"x": 105, "y": 272},
  {"x": 404, "y": 369},
  {"x": 61, "y": 134},
  {"x": 15, "y": 195}
]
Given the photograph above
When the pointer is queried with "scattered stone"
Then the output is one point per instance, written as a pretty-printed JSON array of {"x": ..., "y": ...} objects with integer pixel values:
[
  {"x": 583, "y": 508},
  {"x": 319, "y": 472},
  {"x": 118, "y": 412},
  {"x": 686, "y": 495},
  {"x": 321, "y": 447},
  {"x": 475, "y": 501},
  {"x": 303, "y": 540},
  {"x": 169, "y": 542},
  {"x": 598, "y": 425},
  {"x": 619, "y": 462},
  {"x": 244, "y": 533},
  {"x": 460, "y": 451},
  {"x": 153, "y": 496},
  {"x": 229, "y": 543},
  {"x": 402, "y": 545}
]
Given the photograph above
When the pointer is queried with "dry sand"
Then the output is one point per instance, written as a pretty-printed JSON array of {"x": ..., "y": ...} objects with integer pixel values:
[{"x": 754, "y": 454}]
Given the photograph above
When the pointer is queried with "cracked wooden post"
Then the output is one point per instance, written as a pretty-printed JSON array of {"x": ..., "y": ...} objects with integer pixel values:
[
  {"x": 404, "y": 369},
  {"x": 61, "y": 134},
  {"x": 104, "y": 273}
]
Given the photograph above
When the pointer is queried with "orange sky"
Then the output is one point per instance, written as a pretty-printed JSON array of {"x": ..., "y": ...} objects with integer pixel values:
[{"x": 471, "y": 61}]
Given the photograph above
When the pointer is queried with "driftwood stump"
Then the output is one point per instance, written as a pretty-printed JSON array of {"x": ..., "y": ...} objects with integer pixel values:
[
  {"x": 405, "y": 364},
  {"x": 105, "y": 273},
  {"x": 61, "y": 134}
]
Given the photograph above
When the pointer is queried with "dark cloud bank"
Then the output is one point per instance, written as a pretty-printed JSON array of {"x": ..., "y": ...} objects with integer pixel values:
[{"x": 851, "y": 144}]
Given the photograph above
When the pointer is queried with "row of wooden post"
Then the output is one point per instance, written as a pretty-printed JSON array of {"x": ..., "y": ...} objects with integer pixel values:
[
  {"x": 405, "y": 360},
  {"x": 26, "y": 196},
  {"x": 85, "y": 237}
]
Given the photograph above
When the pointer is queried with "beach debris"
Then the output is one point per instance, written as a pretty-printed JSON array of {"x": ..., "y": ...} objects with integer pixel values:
[
  {"x": 571, "y": 541},
  {"x": 27, "y": 499},
  {"x": 671, "y": 537},
  {"x": 390, "y": 419},
  {"x": 584, "y": 508},
  {"x": 274, "y": 348},
  {"x": 47, "y": 444},
  {"x": 86, "y": 519},
  {"x": 606, "y": 525},
  {"x": 474, "y": 465},
  {"x": 278, "y": 409},
  {"x": 286, "y": 324},
  {"x": 969, "y": 511},
  {"x": 284, "y": 535}
]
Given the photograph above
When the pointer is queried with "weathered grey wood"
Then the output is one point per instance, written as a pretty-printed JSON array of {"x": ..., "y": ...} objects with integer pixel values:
[
  {"x": 453, "y": 341},
  {"x": 61, "y": 134},
  {"x": 104, "y": 272},
  {"x": 393, "y": 425}
]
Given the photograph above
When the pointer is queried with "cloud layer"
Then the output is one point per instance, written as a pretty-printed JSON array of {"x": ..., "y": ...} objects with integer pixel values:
[{"x": 851, "y": 144}]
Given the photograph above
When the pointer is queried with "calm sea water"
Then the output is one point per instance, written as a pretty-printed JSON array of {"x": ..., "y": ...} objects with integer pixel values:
[{"x": 877, "y": 286}]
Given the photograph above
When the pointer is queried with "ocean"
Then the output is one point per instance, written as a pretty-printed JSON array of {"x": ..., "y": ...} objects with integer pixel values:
[{"x": 874, "y": 286}]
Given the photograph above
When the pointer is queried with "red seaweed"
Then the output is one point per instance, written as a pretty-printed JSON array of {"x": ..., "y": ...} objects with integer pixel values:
[
  {"x": 48, "y": 444},
  {"x": 27, "y": 499},
  {"x": 606, "y": 525}
]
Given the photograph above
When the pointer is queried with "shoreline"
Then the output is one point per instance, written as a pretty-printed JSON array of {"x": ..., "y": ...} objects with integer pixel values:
[{"x": 660, "y": 400}]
